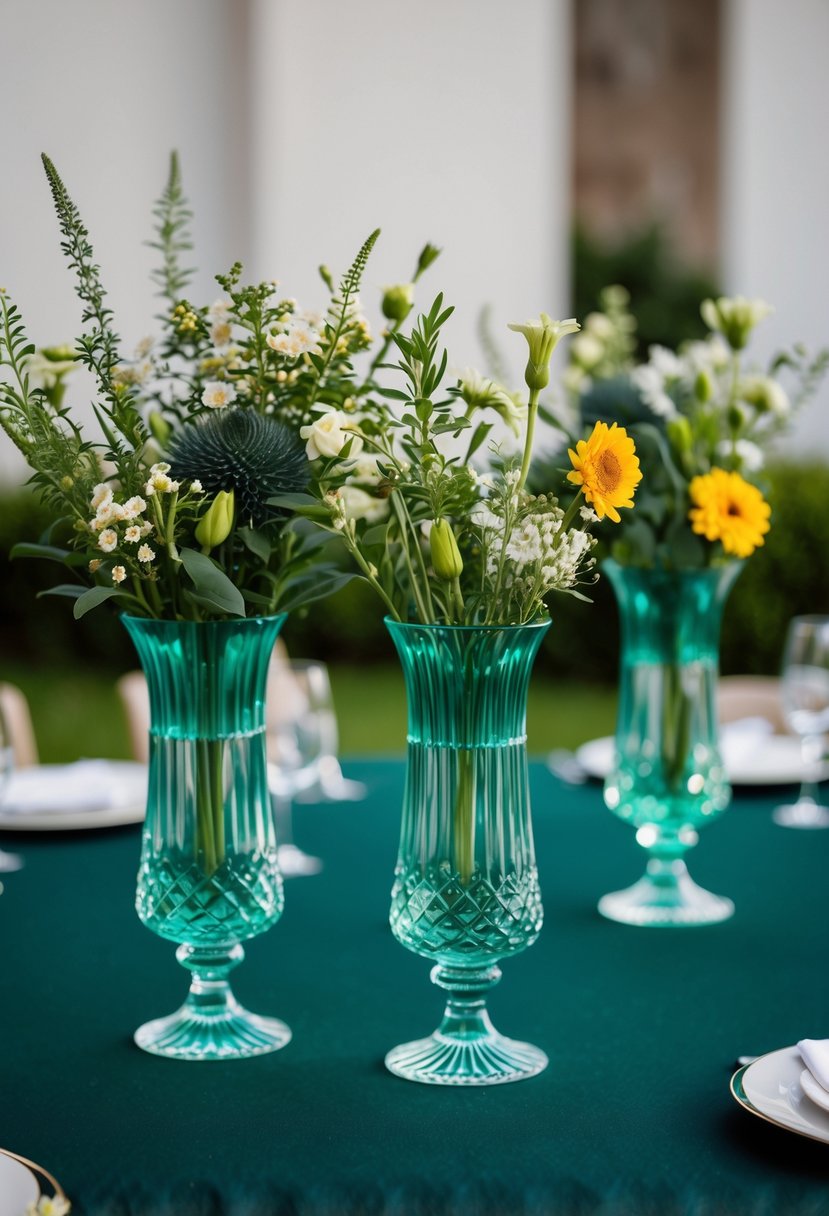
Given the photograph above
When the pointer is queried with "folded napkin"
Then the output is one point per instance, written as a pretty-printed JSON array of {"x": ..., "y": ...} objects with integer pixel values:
[
  {"x": 743, "y": 738},
  {"x": 815, "y": 1055},
  {"x": 87, "y": 785}
]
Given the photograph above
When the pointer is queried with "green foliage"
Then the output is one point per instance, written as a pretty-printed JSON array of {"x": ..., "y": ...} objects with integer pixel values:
[
  {"x": 173, "y": 217},
  {"x": 665, "y": 296}
]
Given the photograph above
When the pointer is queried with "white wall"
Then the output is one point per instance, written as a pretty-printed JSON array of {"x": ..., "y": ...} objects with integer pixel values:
[
  {"x": 300, "y": 127},
  {"x": 445, "y": 121},
  {"x": 776, "y": 178},
  {"x": 107, "y": 89}
]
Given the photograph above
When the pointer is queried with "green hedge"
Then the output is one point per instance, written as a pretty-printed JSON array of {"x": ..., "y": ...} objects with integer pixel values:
[{"x": 789, "y": 575}]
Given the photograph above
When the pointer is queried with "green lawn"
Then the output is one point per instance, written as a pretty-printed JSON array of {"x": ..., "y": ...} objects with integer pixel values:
[{"x": 77, "y": 712}]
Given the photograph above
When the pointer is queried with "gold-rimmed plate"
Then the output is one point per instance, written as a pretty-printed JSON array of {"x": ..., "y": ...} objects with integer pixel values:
[
  {"x": 770, "y": 1088},
  {"x": 18, "y": 1184}
]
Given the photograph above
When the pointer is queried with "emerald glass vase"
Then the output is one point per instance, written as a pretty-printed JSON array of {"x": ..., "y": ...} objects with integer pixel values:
[
  {"x": 208, "y": 877},
  {"x": 668, "y": 778},
  {"x": 466, "y": 889}
]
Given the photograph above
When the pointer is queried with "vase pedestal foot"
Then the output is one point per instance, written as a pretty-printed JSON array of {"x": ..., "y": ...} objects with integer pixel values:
[
  {"x": 211, "y": 1024},
  {"x": 666, "y": 897},
  {"x": 444, "y": 1060},
  {"x": 466, "y": 1049}
]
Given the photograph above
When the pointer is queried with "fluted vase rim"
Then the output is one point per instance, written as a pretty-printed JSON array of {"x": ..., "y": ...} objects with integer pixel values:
[{"x": 437, "y": 626}]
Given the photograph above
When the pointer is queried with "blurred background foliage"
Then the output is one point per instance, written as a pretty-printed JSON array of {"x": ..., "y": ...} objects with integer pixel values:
[{"x": 665, "y": 294}]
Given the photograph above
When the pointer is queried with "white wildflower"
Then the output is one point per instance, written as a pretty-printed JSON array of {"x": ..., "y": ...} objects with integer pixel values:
[
  {"x": 360, "y": 505},
  {"x": 666, "y": 362},
  {"x": 100, "y": 495},
  {"x": 147, "y": 528},
  {"x": 118, "y": 574},
  {"x": 132, "y": 535},
  {"x": 221, "y": 334},
  {"x": 94, "y": 565},
  {"x": 651, "y": 386},
  {"x": 134, "y": 506},
  {"x": 196, "y": 486},
  {"x": 524, "y": 544},
  {"x": 749, "y": 456},
  {"x": 146, "y": 554},
  {"x": 108, "y": 540},
  {"x": 588, "y": 515},
  {"x": 57, "y": 1205},
  {"x": 219, "y": 309},
  {"x": 299, "y": 340},
  {"x": 328, "y": 435},
  {"x": 217, "y": 394}
]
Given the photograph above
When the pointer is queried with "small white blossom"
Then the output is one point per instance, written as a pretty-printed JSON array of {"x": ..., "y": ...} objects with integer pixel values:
[
  {"x": 146, "y": 554},
  {"x": 360, "y": 505},
  {"x": 217, "y": 394},
  {"x": 749, "y": 456},
  {"x": 108, "y": 540},
  {"x": 588, "y": 515},
  {"x": 58, "y": 1205},
  {"x": 100, "y": 495},
  {"x": 298, "y": 340},
  {"x": 651, "y": 386},
  {"x": 196, "y": 486},
  {"x": 94, "y": 565},
  {"x": 328, "y": 435},
  {"x": 134, "y": 506},
  {"x": 132, "y": 535},
  {"x": 118, "y": 574},
  {"x": 147, "y": 528},
  {"x": 220, "y": 334}
]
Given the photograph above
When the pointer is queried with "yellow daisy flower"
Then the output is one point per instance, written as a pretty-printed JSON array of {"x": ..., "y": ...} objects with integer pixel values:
[
  {"x": 729, "y": 509},
  {"x": 607, "y": 468}
]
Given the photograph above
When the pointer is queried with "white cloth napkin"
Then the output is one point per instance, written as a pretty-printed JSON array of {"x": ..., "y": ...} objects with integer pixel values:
[
  {"x": 743, "y": 738},
  {"x": 815, "y": 1055},
  {"x": 87, "y": 785}
]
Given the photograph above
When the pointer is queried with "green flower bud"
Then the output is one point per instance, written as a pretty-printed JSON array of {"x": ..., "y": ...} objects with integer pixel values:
[
  {"x": 216, "y": 523},
  {"x": 159, "y": 428},
  {"x": 446, "y": 556},
  {"x": 737, "y": 418},
  {"x": 734, "y": 317},
  {"x": 680, "y": 435},
  {"x": 397, "y": 301},
  {"x": 703, "y": 387},
  {"x": 428, "y": 254},
  {"x": 542, "y": 337}
]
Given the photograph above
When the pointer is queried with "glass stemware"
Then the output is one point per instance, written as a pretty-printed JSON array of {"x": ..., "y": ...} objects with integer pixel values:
[
  {"x": 9, "y": 862},
  {"x": 300, "y": 725},
  {"x": 806, "y": 707}
]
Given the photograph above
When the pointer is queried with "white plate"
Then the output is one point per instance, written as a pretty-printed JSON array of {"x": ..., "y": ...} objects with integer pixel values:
[
  {"x": 776, "y": 761},
  {"x": 129, "y": 800},
  {"x": 18, "y": 1186},
  {"x": 770, "y": 1088}
]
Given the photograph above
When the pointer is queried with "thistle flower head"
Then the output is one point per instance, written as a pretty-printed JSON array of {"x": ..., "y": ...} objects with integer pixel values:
[{"x": 240, "y": 450}]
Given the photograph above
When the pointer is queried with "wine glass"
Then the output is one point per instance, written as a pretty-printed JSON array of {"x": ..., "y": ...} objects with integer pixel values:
[
  {"x": 329, "y": 784},
  {"x": 300, "y": 716},
  {"x": 8, "y": 861},
  {"x": 806, "y": 707}
]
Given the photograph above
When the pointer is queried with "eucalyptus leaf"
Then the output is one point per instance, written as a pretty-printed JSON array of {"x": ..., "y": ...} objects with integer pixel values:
[
  {"x": 307, "y": 590},
  {"x": 258, "y": 544},
  {"x": 70, "y": 590},
  {"x": 211, "y": 586},
  {"x": 93, "y": 597}
]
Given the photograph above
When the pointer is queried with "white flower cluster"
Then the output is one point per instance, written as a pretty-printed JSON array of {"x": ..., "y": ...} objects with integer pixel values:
[
  {"x": 109, "y": 513},
  {"x": 528, "y": 552}
]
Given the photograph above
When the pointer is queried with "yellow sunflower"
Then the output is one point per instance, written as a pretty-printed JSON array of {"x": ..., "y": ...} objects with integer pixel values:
[
  {"x": 729, "y": 509},
  {"x": 607, "y": 468}
]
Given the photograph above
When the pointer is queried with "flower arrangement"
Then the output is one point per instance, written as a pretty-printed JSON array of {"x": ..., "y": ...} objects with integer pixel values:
[
  {"x": 242, "y": 445},
  {"x": 702, "y": 423}
]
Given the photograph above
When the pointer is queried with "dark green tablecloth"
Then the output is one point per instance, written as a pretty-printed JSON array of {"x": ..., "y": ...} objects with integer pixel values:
[{"x": 641, "y": 1026}]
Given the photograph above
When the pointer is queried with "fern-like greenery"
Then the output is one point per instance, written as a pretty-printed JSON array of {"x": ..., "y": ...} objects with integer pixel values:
[
  {"x": 341, "y": 310},
  {"x": 98, "y": 347},
  {"x": 173, "y": 215}
]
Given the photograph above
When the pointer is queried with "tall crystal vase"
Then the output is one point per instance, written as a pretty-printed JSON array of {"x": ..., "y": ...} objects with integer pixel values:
[
  {"x": 466, "y": 889},
  {"x": 668, "y": 778},
  {"x": 208, "y": 877}
]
